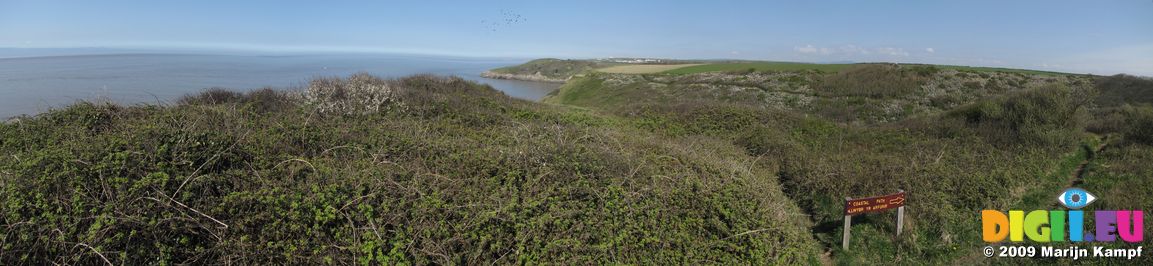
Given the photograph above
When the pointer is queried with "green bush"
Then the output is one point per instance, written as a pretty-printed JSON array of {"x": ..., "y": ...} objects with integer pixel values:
[
  {"x": 873, "y": 81},
  {"x": 1120, "y": 89},
  {"x": 261, "y": 100},
  {"x": 1138, "y": 125},
  {"x": 212, "y": 96},
  {"x": 1045, "y": 116},
  {"x": 925, "y": 71}
]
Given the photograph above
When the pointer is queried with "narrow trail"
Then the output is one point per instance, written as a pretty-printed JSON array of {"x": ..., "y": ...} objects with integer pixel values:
[
  {"x": 1078, "y": 175},
  {"x": 1076, "y": 178}
]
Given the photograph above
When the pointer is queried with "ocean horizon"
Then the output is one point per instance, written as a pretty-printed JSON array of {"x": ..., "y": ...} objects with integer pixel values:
[{"x": 32, "y": 83}]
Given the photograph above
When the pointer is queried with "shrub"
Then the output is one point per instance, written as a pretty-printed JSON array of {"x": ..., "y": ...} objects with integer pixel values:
[
  {"x": 1138, "y": 123},
  {"x": 215, "y": 95},
  {"x": 925, "y": 71},
  {"x": 871, "y": 80},
  {"x": 764, "y": 141},
  {"x": 1120, "y": 89},
  {"x": 466, "y": 176},
  {"x": 262, "y": 100},
  {"x": 269, "y": 100},
  {"x": 1044, "y": 116},
  {"x": 360, "y": 93}
]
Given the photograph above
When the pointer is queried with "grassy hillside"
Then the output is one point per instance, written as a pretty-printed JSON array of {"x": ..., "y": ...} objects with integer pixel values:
[
  {"x": 856, "y": 94},
  {"x": 555, "y": 69},
  {"x": 792, "y": 66},
  {"x": 417, "y": 170},
  {"x": 715, "y": 167},
  {"x": 957, "y": 141}
]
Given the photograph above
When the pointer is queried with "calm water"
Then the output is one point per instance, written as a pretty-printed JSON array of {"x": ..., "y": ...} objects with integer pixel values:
[{"x": 35, "y": 84}]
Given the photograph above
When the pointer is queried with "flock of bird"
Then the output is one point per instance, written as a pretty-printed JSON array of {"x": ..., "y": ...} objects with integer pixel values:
[{"x": 508, "y": 18}]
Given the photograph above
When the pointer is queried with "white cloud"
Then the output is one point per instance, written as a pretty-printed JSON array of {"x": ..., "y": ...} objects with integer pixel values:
[
  {"x": 892, "y": 51},
  {"x": 930, "y": 50},
  {"x": 853, "y": 49},
  {"x": 850, "y": 50},
  {"x": 807, "y": 49}
]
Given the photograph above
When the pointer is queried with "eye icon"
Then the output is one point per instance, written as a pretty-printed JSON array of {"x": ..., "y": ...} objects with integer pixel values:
[{"x": 1075, "y": 198}]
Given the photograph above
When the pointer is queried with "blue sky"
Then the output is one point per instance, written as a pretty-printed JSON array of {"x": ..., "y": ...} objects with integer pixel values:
[{"x": 1104, "y": 37}]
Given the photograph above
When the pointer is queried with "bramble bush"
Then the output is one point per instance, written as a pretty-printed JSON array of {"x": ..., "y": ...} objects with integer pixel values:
[{"x": 461, "y": 175}]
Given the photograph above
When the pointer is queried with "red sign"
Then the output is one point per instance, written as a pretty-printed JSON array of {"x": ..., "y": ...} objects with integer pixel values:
[{"x": 874, "y": 204}]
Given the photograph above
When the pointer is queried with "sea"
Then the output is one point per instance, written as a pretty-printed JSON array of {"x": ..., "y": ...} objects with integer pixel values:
[{"x": 35, "y": 83}]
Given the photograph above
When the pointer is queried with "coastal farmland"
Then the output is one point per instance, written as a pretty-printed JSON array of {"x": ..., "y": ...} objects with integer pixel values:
[
  {"x": 759, "y": 66},
  {"x": 643, "y": 69}
]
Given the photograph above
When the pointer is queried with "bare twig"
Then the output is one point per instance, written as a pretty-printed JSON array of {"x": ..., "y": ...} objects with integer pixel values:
[
  {"x": 341, "y": 147},
  {"x": 97, "y": 253},
  {"x": 194, "y": 172},
  {"x": 196, "y": 211},
  {"x": 748, "y": 232},
  {"x": 296, "y": 160}
]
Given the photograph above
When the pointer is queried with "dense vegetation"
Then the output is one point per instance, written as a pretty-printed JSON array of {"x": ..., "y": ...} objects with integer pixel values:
[
  {"x": 562, "y": 69},
  {"x": 858, "y": 94},
  {"x": 726, "y": 166},
  {"x": 1123, "y": 89},
  {"x": 363, "y": 170},
  {"x": 1000, "y": 141}
]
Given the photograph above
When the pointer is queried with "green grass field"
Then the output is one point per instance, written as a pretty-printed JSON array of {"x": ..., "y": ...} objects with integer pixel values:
[
  {"x": 758, "y": 66},
  {"x": 642, "y": 68},
  {"x": 789, "y": 66}
]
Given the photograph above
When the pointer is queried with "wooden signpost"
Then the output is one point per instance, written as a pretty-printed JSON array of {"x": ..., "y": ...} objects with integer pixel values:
[{"x": 873, "y": 204}]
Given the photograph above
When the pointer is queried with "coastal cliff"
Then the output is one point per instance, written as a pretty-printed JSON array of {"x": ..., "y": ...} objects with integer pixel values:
[
  {"x": 526, "y": 77},
  {"x": 547, "y": 70}
]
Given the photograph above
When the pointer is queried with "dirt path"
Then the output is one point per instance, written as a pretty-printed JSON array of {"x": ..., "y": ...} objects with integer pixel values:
[{"x": 1078, "y": 175}]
